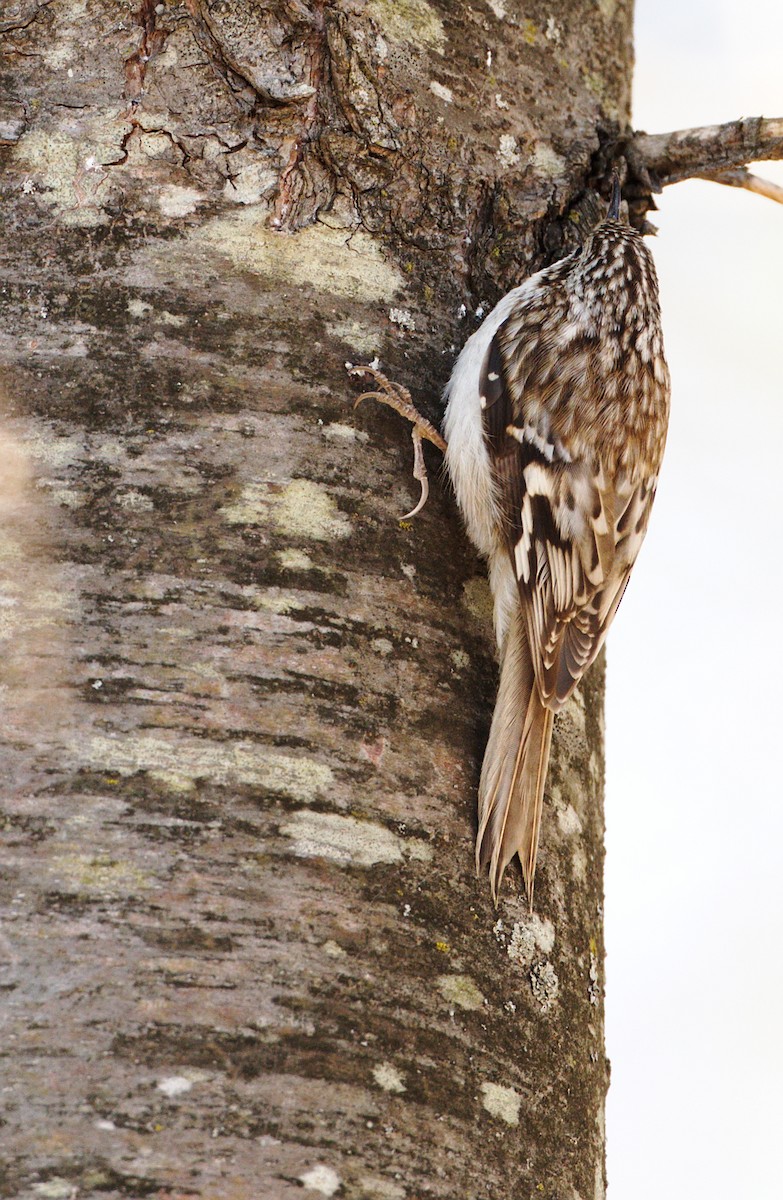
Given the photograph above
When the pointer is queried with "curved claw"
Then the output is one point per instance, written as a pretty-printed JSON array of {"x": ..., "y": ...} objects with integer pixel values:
[
  {"x": 425, "y": 491},
  {"x": 368, "y": 396},
  {"x": 399, "y": 398}
]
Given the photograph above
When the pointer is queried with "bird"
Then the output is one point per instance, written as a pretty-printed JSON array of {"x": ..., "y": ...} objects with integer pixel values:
[{"x": 554, "y": 431}]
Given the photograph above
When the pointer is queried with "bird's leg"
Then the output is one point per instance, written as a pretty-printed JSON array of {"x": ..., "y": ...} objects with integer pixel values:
[{"x": 399, "y": 398}]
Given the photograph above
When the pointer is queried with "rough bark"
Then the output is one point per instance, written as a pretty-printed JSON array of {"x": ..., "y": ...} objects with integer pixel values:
[{"x": 244, "y": 708}]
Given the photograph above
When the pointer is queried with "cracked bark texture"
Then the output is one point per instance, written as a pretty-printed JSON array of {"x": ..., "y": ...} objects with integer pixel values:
[{"x": 243, "y": 708}]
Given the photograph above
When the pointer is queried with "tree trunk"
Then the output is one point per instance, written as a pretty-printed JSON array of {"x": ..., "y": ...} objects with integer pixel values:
[{"x": 244, "y": 707}]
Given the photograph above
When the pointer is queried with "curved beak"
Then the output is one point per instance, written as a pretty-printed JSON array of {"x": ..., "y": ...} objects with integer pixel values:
[{"x": 614, "y": 204}]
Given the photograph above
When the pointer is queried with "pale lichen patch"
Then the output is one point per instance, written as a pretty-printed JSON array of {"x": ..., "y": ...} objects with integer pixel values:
[
  {"x": 501, "y": 1102},
  {"x": 442, "y": 92},
  {"x": 174, "y": 1085},
  {"x": 177, "y": 320},
  {"x": 67, "y": 172},
  {"x": 11, "y": 550},
  {"x": 388, "y": 1077},
  {"x": 579, "y": 864},
  {"x": 576, "y": 711},
  {"x": 594, "y": 988},
  {"x": 321, "y": 1179},
  {"x": 55, "y": 1188},
  {"x": 544, "y": 985},
  {"x": 305, "y": 509},
  {"x": 134, "y": 501},
  {"x": 277, "y": 601},
  {"x": 67, "y": 497},
  {"x": 508, "y": 151},
  {"x": 357, "y": 335},
  {"x": 404, "y": 318},
  {"x": 301, "y": 509},
  {"x": 460, "y": 990},
  {"x": 194, "y": 758},
  {"x": 412, "y": 21},
  {"x": 477, "y": 598},
  {"x": 531, "y": 936},
  {"x": 175, "y": 201},
  {"x": 337, "y": 432},
  {"x": 172, "y": 782},
  {"x": 340, "y": 261},
  {"x": 60, "y": 54},
  {"x": 568, "y": 820},
  {"x": 547, "y": 161},
  {"x": 138, "y": 308},
  {"x": 99, "y": 873},
  {"x": 294, "y": 560},
  {"x": 348, "y": 841},
  {"x": 56, "y": 452},
  {"x": 251, "y": 507}
]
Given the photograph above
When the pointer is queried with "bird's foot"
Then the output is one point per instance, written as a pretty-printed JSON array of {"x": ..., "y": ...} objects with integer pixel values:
[{"x": 399, "y": 398}]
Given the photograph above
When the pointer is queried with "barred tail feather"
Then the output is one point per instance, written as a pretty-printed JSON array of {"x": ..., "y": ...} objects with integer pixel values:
[{"x": 511, "y": 790}]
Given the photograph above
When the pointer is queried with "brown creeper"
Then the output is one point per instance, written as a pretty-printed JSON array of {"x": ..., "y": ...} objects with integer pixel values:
[{"x": 556, "y": 424}]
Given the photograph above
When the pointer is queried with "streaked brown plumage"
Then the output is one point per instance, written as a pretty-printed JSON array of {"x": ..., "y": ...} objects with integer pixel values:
[{"x": 556, "y": 423}]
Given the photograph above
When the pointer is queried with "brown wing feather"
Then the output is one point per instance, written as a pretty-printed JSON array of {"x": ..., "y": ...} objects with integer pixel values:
[{"x": 572, "y": 528}]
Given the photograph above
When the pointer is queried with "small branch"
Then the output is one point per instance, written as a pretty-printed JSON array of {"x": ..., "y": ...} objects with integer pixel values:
[
  {"x": 707, "y": 151},
  {"x": 741, "y": 177}
]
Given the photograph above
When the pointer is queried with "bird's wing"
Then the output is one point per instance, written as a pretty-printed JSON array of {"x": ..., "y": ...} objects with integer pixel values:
[{"x": 572, "y": 532}]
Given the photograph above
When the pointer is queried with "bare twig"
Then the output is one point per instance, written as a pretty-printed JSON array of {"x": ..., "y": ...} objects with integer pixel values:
[
  {"x": 708, "y": 151},
  {"x": 742, "y": 178}
]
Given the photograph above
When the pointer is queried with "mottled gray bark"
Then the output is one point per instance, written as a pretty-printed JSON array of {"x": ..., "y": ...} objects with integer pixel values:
[{"x": 244, "y": 708}]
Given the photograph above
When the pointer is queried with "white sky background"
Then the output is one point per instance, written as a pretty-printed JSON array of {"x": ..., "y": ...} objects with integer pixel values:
[{"x": 695, "y": 703}]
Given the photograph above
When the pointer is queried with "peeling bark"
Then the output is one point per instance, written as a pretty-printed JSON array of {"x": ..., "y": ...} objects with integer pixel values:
[{"x": 243, "y": 707}]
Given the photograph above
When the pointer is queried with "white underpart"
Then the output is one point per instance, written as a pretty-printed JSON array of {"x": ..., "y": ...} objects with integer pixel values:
[{"x": 467, "y": 458}]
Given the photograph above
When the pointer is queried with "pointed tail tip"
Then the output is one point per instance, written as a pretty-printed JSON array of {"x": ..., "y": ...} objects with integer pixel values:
[{"x": 492, "y": 865}]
